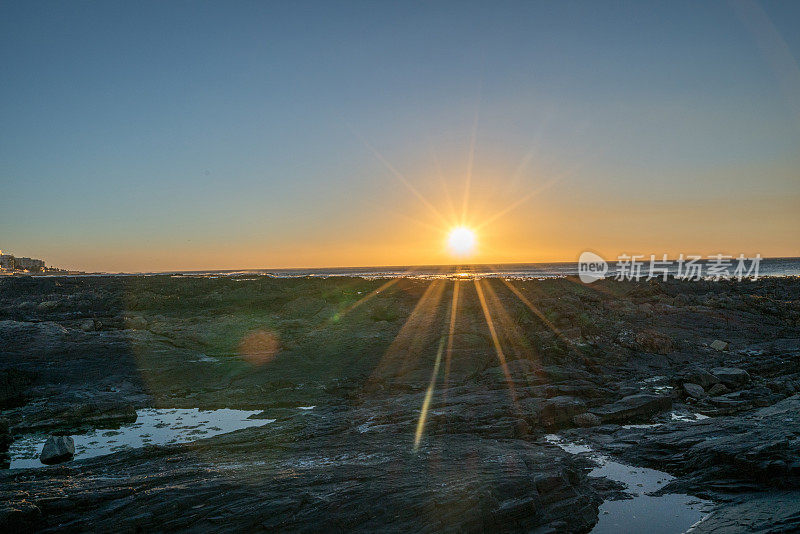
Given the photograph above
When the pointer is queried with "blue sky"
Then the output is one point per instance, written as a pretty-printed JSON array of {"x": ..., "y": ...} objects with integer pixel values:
[{"x": 181, "y": 135}]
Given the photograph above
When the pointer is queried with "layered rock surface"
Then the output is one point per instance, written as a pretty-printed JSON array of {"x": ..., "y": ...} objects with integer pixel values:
[{"x": 585, "y": 360}]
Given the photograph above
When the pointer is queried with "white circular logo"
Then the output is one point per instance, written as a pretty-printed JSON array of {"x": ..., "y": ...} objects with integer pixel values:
[{"x": 591, "y": 267}]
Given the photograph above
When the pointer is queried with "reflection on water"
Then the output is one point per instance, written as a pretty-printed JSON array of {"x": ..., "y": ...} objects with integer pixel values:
[
  {"x": 153, "y": 426},
  {"x": 665, "y": 514}
]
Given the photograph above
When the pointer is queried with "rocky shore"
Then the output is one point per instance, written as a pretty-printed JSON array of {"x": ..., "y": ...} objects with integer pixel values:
[{"x": 432, "y": 400}]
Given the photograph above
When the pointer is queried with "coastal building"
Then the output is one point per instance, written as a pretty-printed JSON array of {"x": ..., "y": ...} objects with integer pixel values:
[
  {"x": 29, "y": 264},
  {"x": 7, "y": 261}
]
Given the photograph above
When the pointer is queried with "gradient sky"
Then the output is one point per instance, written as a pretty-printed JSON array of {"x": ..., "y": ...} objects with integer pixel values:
[{"x": 189, "y": 135}]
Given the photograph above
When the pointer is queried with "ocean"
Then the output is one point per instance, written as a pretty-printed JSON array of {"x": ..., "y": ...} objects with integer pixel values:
[{"x": 767, "y": 267}]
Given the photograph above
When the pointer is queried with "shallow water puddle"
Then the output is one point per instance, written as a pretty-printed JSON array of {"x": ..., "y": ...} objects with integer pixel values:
[
  {"x": 666, "y": 514},
  {"x": 687, "y": 417},
  {"x": 153, "y": 426}
]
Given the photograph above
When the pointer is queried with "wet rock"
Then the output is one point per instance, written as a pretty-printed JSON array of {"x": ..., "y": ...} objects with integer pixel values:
[
  {"x": 693, "y": 390},
  {"x": 727, "y": 452},
  {"x": 87, "y": 325},
  {"x": 718, "y": 389},
  {"x": 57, "y": 449},
  {"x": 477, "y": 485},
  {"x": 732, "y": 377},
  {"x": 633, "y": 408},
  {"x": 476, "y": 468},
  {"x": 754, "y": 512}
]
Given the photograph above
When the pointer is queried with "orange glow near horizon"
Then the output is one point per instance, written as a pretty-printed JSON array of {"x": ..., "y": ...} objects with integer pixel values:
[{"x": 434, "y": 213}]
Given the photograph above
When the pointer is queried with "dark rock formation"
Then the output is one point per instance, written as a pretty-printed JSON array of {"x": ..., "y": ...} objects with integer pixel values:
[
  {"x": 722, "y": 453},
  {"x": 13, "y": 386},
  {"x": 633, "y": 408},
  {"x": 693, "y": 390},
  {"x": 731, "y": 377},
  {"x": 583, "y": 361},
  {"x": 57, "y": 449}
]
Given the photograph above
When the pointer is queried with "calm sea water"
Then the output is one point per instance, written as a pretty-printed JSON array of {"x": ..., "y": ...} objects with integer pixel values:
[{"x": 767, "y": 267}]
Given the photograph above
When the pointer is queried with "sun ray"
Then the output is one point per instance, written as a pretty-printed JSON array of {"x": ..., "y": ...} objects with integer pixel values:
[
  {"x": 531, "y": 154},
  {"x": 423, "y": 414},
  {"x": 450, "y": 334},
  {"x": 428, "y": 225},
  {"x": 470, "y": 161},
  {"x": 341, "y": 314},
  {"x": 596, "y": 287},
  {"x": 519, "y": 202},
  {"x": 371, "y": 294},
  {"x": 507, "y": 329},
  {"x": 451, "y": 208},
  {"x": 495, "y": 339},
  {"x": 547, "y": 323},
  {"x": 410, "y": 342},
  {"x": 397, "y": 174},
  {"x": 536, "y": 311}
]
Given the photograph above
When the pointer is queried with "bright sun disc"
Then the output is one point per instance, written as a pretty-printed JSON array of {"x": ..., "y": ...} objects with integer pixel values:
[{"x": 461, "y": 240}]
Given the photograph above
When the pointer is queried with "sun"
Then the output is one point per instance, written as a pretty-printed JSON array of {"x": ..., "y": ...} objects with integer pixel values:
[{"x": 461, "y": 241}]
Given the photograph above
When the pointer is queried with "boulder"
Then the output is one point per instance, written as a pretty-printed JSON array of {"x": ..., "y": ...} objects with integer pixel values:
[
  {"x": 718, "y": 389},
  {"x": 633, "y": 407},
  {"x": 57, "y": 449},
  {"x": 701, "y": 377},
  {"x": 731, "y": 376},
  {"x": 693, "y": 390},
  {"x": 718, "y": 345},
  {"x": 559, "y": 411}
]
